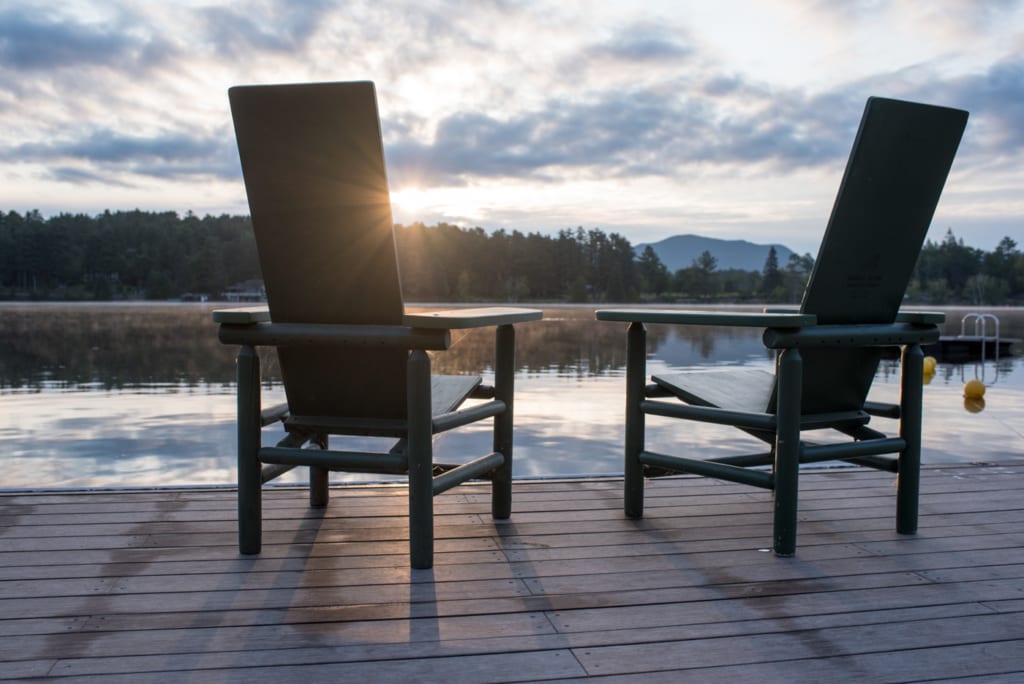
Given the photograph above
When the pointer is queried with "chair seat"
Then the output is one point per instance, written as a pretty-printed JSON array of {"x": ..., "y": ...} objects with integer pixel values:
[
  {"x": 447, "y": 392},
  {"x": 736, "y": 389}
]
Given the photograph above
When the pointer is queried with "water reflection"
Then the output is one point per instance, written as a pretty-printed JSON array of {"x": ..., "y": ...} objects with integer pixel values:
[
  {"x": 111, "y": 395},
  {"x": 109, "y": 346}
]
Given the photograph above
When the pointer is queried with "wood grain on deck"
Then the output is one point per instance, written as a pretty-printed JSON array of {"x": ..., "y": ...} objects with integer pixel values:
[{"x": 148, "y": 585}]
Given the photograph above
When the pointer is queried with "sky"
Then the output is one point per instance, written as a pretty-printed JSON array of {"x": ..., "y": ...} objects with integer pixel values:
[{"x": 725, "y": 118}]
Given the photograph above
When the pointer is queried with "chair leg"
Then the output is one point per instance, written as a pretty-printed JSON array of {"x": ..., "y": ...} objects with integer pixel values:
[
  {"x": 636, "y": 376},
  {"x": 909, "y": 465},
  {"x": 787, "y": 451},
  {"x": 319, "y": 479},
  {"x": 504, "y": 390},
  {"x": 421, "y": 462},
  {"x": 319, "y": 487},
  {"x": 250, "y": 484}
]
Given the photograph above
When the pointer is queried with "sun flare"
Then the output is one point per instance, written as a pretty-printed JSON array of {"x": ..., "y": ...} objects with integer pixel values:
[{"x": 410, "y": 200}]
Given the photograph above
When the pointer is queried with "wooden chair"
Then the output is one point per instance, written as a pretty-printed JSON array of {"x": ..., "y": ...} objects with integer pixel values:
[
  {"x": 352, "y": 361},
  {"x": 828, "y": 351}
]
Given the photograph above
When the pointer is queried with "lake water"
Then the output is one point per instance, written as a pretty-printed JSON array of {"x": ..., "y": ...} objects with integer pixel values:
[{"x": 126, "y": 395}]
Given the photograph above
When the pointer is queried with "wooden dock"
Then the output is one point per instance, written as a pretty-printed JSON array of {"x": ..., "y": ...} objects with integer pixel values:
[{"x": 147, "y": 585}]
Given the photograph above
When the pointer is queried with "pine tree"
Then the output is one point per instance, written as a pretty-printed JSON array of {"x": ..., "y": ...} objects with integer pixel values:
[{"x": 771, "y": 277}]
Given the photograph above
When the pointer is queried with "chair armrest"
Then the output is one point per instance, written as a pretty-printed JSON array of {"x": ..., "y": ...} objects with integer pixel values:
[
  {"x": 245, "y": 315},
  {"x": 921, "y": 317},
  {"x": 252, "y": 326},
  {"x": 854, "y": 335},
  {"x": 918, "y": 317},
  {"x": 333, "y": 335},
  {"x": 725, "y": 318},
  {"x": 454, "y": 319}
]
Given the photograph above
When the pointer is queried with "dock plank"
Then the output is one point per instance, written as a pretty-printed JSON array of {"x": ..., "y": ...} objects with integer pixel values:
[{"x": 148, "y": 586}]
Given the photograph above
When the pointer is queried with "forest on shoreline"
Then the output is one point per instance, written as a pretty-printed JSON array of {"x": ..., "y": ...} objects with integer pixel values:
[{"x": 136, "y": 255}]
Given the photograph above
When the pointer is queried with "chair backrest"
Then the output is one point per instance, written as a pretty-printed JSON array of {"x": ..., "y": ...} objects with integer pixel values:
[
  {"x": 893, "y": 180},
  {"x": 313, "y": 164}
]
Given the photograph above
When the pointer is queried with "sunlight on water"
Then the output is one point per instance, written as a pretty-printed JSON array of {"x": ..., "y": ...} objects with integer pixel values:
[{"x": 141, "y": 396}]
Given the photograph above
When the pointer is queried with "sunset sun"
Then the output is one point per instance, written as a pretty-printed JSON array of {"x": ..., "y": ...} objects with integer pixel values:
[{"x": 410, "y": 200}]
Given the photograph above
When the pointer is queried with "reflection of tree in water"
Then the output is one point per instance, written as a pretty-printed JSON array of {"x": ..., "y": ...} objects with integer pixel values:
[
  {"x": 125, "y": 345},
  {"x": 571, "y": 342},
  {"x": 115, "y": 346},
  {"x": 112, "y": 346},
  {"x": 694, "y": 345},
  {"x": 700, "y": 337},
  {"x": 567, "y": 342}
]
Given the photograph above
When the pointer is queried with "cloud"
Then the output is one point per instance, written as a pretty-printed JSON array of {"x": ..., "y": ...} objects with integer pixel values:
[
  {"x": 997, "y": 98},
  {"x": 109, "y": 153},
  {"x": 669, "y": 122},
  {"x": 280, "y": 26},
  {"x": 642, "y": 42},
  {"x": 993, "y": 95},
  {"x": 724, "y": 120},
  {"x": 32, "y": 40},
  {"x": 637, "y": 102},
  {"x": 77, "y": 176},
  {"x": 643, "y": 132},
  {"x": 952, "y": 16},
  {"x": 524, "y": 96}
]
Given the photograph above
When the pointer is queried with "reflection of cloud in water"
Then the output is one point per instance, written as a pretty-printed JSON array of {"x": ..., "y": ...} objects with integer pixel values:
[
  {"x": 951, "y": 435},
  {"x": 564, "y": 426},
  {"x": 689, "y": 347},
  {"x": 116, "y": 438}
]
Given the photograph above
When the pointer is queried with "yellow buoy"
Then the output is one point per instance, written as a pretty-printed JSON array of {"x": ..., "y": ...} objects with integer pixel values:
[
  {"x": 929, "y": 364},
  {"x": 974, "y": 405},
  {"x": 974, "y": 389}
]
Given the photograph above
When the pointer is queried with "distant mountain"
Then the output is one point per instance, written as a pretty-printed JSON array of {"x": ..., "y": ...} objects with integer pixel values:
[{"x": 679, "y": 251}]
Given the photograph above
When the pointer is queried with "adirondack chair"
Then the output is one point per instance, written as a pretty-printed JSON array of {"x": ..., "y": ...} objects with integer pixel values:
[
  {"x": 352, "y": 361},
  {"x": 827, "y": 352}
]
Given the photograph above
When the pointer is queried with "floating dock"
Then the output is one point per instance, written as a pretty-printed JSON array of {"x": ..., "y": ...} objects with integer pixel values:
[
  {"x": 982, "y": 345},
  {"x": 971, "y": 347}
]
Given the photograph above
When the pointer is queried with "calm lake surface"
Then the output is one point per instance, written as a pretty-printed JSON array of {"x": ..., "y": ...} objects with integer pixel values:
[{"x": 111, "y": 395}]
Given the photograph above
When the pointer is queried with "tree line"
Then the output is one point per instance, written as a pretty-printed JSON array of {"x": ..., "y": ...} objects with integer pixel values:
[
  {"x": 161, "y": 255},
  {"x": 123, "y": 255}
]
